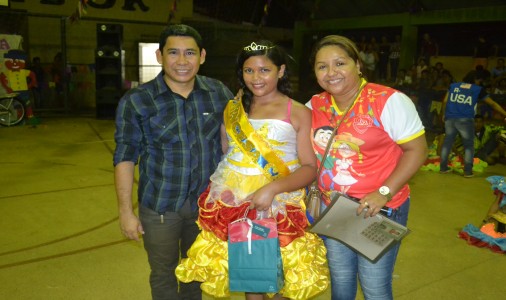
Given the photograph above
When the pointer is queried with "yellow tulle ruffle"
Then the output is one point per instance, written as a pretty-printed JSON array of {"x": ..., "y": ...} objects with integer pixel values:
[{"x": 304, "y": 265}]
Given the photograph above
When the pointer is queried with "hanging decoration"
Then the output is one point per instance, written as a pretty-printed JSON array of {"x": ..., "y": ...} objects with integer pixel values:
[
  {"x": 266, "y": 13},
  {"x": 172, "y": 12},
  {"x": 82, "y": 5}
]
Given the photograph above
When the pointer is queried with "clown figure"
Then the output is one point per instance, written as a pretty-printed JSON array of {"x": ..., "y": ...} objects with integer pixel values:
[{"x": 17, "y": 79}]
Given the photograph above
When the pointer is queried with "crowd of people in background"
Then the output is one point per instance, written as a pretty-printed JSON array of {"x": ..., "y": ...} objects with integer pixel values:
[{"x": 427, "y": 80}]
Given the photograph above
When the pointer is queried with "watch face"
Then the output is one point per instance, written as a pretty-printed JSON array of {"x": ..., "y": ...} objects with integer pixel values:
[{"x": 384, "y": 190}]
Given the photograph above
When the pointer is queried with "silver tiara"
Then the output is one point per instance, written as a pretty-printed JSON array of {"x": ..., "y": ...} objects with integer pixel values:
[{"x": 255, "y": 47}]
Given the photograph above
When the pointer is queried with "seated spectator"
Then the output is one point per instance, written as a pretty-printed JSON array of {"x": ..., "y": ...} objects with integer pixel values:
[
  {"x": 441, "y": 86},
  {"x": 480, "y": 72},
  {"x": 443, "y": 83},
  {"x": 487, "y": 140},
  {"x": 403, "y": 82},
  {"x": 395, "y": 54},
  {"x": 498, "y": 93},
  {"x": 439, "y": 89},
  {"x": 425, "y": 95},
  {"x": 499, "y": 69},
  {"x": 500, "y": 86},
  {"x": 437, "y": 73},
  {"x": 370, "y": 60},
  {"x": 422, "y": 65},
  {"x": 438, "y": 67}
]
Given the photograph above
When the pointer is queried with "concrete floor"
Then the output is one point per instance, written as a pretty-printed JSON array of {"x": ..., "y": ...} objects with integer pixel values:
[{"x": 61, "y": 240}]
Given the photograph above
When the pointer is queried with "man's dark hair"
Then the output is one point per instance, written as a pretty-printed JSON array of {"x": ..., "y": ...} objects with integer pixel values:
[
  {"x": 479, "y": 73},
  {"x": 180, "y": 30}
]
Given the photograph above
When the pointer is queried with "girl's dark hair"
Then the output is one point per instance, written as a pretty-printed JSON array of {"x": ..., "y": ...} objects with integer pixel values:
[{"x": 273, "y": 52}]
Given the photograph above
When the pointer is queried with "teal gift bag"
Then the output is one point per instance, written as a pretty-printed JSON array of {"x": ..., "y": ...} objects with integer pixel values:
[{"x": 254, "y": 257}]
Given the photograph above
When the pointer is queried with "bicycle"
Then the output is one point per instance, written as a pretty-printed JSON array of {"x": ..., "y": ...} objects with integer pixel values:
[{"x": 12, "y": 110}]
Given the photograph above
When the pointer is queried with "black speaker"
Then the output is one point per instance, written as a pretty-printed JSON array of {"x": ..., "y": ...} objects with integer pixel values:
[
  {"x": 108, "y": 69},
  {"x": 110, "y": 35}
]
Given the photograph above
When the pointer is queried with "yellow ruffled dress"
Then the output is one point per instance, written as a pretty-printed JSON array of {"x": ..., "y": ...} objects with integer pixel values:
[{"x": 304, "y": 255}]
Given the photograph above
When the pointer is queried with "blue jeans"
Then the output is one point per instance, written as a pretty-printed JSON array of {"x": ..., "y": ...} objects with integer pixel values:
[
  {"x": 464, "y": 127},
  {"x": 165, "y": 242},
  {"x": 375, "y": 278}
]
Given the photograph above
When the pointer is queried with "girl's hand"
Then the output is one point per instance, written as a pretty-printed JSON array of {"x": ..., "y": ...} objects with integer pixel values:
[{"x": 261, "y": 199}]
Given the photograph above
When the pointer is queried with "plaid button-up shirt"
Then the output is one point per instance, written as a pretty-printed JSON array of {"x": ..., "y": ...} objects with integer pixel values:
[{"x": 175, "y": 141}]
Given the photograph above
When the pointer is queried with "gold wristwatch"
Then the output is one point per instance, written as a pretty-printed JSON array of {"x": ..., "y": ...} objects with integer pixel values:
[{"x": 385, "y": 191}]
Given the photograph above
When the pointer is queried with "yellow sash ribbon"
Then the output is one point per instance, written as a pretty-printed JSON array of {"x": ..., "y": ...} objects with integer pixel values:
[{"x": 251, "y": 144}]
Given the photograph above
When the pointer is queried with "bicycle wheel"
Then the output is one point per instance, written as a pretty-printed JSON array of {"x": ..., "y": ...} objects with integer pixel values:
[{"x": 12, "y": 111}]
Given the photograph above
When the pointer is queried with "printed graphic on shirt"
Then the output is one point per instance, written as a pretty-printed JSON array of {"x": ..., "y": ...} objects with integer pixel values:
[
  {"x": 355, "y": 149},
  {"x": 338, "y": 168},
  {"x": 362, "y": 122},
  {"x": 457, "y": 96}
]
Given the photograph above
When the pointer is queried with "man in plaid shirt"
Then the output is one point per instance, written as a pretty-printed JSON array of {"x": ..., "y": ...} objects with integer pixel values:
[{"x": 171, "y": 127}]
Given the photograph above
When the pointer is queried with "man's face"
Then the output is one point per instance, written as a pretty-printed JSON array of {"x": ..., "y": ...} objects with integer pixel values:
[{"x": 180, "y": 59}]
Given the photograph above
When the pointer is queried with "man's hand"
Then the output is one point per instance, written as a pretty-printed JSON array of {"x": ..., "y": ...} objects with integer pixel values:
[{"x": 130, "y": 226}]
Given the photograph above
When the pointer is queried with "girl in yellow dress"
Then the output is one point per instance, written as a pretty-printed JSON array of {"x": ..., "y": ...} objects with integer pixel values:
[{"x": 268, "y": 162}]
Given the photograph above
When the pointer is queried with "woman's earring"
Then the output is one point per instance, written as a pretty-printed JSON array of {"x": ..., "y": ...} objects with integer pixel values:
[{"x": 360, "y": 74}]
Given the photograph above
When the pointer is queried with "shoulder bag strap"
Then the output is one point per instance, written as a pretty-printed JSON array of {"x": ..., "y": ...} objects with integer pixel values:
[{"x": 329, "y": 144}]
